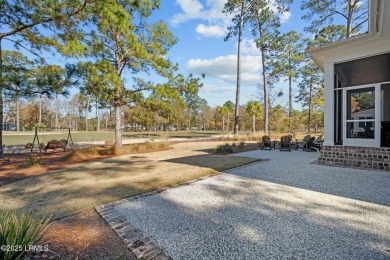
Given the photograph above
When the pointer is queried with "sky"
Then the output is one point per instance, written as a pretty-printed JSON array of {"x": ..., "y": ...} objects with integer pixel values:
[{"x": 201, "y": 27}]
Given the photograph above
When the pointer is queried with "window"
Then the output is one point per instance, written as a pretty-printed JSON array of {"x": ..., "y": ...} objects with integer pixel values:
[{"x": 360, "y": 116}]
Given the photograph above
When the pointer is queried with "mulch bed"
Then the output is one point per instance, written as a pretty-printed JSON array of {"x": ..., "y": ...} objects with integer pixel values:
[
  {"x": 14, "y": 167},
  {"x": 82, "y": 236}
]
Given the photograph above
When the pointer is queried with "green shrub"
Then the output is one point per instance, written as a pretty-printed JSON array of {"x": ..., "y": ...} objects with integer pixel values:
[
  {"x": 234, "y": 144},
  {"x": 241, "y": 145},
  {"x": 33, "y": 159},
  {"x": 224, "y": 148},
  {"x": 21, "y": 231}
]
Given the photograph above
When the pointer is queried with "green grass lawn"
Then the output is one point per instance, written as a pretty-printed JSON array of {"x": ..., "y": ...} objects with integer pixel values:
[{"x": 91, "y": 136}]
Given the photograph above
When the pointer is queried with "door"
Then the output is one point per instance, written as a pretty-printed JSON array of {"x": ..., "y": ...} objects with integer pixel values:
[{"x": 362, "y": 116}]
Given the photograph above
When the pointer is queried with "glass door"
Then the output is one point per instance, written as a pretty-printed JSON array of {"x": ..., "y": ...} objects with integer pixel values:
[{"x": 361, "y": 110}]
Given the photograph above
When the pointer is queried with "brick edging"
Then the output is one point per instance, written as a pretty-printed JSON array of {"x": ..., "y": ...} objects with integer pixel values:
[
  {"x": 142, "y": 246},
  {"x": 138, "y": 243}
]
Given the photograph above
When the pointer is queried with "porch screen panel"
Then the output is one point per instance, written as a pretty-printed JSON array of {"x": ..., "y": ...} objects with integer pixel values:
[
  {"x": 360, "y": 118},
  {"x": 365, "y": 71}
]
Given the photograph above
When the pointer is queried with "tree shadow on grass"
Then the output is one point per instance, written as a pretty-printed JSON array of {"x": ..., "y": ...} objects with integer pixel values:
[{"x": 215, "y": 162}]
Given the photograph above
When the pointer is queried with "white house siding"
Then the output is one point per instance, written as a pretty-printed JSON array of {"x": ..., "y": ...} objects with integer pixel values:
[{"x": 371, "y": 44}]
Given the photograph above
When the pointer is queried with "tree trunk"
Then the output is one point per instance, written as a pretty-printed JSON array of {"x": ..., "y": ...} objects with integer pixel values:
[
  {"x": 1, "y": 102},
  {"x": 349, "y": 19},
  {"x": 117, "y": 107},
  {"x": 237, "y": 110},
  {"x": 17, "y": 115},
  {"x": 228, "y": 124},
  {"x": 56, "y": 116},
  {"x": 40, "y": 110},
  {"x": 253, "y": 122},
  {"x": 290, "y": 103},
  {"x": 189, "y": 122},
  {"x": 97, "y": 116},
  {"x": 107, "y": 121},
  {"x": 265, "y": 85},
  {"x": 266, "y": 92},
  {"x": 86, "y": 116},
  {"x": 310, "y": 98},
  {"x": 223, "y": 124}
]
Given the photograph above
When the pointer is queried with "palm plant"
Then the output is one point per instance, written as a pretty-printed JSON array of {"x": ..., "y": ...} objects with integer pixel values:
[{"x": 254, "y": 109}]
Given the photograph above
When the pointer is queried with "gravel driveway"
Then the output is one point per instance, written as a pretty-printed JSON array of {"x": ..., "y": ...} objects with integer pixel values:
[{"x": 283, "y": 208}]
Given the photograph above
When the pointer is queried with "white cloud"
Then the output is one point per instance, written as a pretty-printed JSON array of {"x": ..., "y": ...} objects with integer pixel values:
[
  {"x": 246, "y": 78},
  {"x": 210, "y": 11},
  {"x": 249, "y": 47},
  {"x": 284, "y": 17},
  {"x": 211, "y": 31},
  {"x": 217, "y": 89},
  {"x": 225, "y": 68},
  {"x": 194, "y": 9}
]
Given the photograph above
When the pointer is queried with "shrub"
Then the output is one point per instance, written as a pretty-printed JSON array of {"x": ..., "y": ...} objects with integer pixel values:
[
  {"x": 19, "y": 231},
  {"x": 33, "y": 159},
  {"x": 81, "y": 154},
  {"x": 241, "y": 145},
  {"x": 109, "y": 142},
  {"x": 224, "y": 148}
]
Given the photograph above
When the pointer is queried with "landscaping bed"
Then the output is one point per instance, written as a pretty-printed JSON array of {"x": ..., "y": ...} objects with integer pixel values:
[
  {"x": 82, "y": 236},
  {"x": 68, "y": 194},
  {"x": 17, "y": 166}
]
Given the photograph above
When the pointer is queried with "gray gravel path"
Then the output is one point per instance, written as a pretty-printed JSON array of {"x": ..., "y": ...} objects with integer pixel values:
[
  {"x": 297, "y": 170},
  {"x": 235, "y": 217}
]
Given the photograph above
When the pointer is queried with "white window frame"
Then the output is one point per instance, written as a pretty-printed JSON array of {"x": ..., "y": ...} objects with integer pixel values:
[{"x": 377, "y": 121}]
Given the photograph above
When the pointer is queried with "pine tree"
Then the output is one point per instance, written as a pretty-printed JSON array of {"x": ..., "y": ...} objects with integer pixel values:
[
  {"x": 288, "y": 58},
  {"x": 26, "y": 24},
  {"x": 310, "y": 88},
  {"x": 121, "y": 39},
  {"x": 323, "y": 13}
]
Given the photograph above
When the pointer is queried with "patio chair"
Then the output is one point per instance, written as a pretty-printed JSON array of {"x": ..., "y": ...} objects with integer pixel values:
[
  {"x": 306, "y": 144},
  {"x": 285, "y": 143},
  {"x": 266, "y": 143},
  {"x": 369, "y": 132},
  {"x": 318, "y": 142}
]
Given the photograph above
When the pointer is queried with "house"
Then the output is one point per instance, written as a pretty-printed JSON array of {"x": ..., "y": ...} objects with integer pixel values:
[
  {"x": 357, "y": 94},
  {"x": 8, "y": 126}
]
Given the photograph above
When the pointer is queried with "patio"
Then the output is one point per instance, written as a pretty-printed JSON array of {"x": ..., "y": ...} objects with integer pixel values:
[{"x": 284, "y": 207}]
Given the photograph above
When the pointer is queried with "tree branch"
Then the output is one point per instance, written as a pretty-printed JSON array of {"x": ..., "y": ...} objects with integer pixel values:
[
  {"x": 32, "y": 52},
  {"x": 32, "y": 24}
]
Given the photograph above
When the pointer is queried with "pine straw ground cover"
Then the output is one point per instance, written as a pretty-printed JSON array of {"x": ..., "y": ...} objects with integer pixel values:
[
  {"x": 75, "y": 190},
  {"x": 17, "y": 168}
]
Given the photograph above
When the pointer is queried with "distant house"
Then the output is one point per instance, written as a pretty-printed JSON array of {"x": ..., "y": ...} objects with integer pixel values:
[
  {"x": 357, "y": 94},
  {"x": 8, "y": 126}
]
